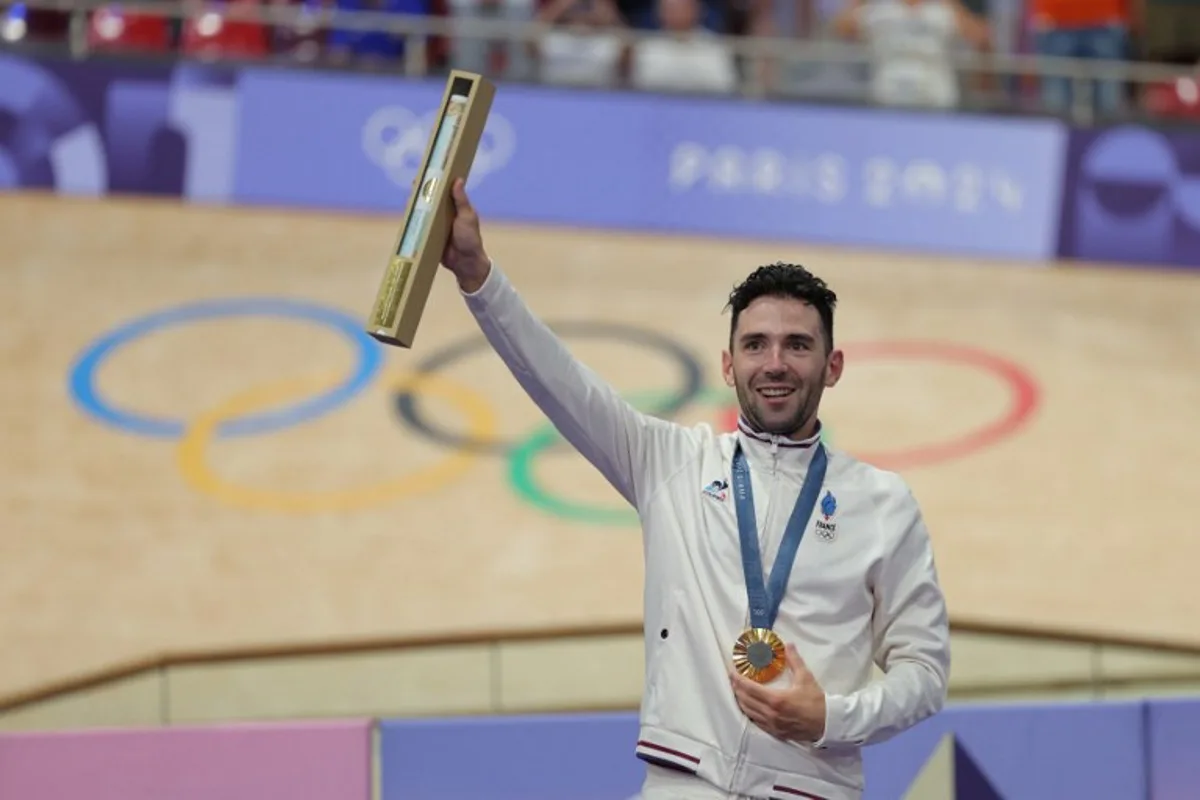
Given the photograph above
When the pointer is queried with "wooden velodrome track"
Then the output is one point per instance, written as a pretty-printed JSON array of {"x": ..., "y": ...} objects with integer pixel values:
[{"x": 1046, "y": 419}]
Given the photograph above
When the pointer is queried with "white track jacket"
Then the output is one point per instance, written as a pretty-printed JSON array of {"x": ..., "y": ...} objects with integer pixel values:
[{"x": 863, "y": 589}]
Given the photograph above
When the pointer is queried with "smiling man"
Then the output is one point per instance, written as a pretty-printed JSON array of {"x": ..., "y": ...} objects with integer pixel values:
[
  {"x": 778, "y": 569},
  {"x": 781, "y": 354}
]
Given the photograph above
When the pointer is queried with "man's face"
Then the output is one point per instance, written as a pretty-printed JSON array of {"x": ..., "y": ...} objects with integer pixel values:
[
  {"x": 678, "y": 15},
  {"x": 778, "y": 364}
]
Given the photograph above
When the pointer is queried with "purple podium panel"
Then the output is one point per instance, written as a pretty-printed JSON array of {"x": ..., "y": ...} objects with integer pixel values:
[
  {"x": 1173, "y": 734},
  {"x": 551, "y": 757},
  {"x": 321, "y": 761}
]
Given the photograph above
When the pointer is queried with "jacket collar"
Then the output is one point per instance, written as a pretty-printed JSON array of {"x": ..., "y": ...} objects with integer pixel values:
[
  {"x": 773, "y": 451},
  {"x": 781, "y": 441}
]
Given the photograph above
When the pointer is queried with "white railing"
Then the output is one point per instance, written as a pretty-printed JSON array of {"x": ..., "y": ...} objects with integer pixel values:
[{"x": 754, "y": 51}]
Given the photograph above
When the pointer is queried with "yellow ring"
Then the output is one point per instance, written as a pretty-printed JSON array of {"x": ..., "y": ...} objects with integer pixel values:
[{"x": 192, "y": 455}]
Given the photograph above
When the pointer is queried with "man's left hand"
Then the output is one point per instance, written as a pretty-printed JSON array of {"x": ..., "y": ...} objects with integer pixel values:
[{"x": 795, "y": 712}]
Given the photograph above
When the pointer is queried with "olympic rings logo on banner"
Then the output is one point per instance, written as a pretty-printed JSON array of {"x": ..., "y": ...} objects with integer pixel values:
[{"x": 286, "y": 403}]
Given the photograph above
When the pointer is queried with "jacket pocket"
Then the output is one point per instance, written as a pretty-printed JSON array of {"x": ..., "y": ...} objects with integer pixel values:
[{"x": 663, "y": 642}]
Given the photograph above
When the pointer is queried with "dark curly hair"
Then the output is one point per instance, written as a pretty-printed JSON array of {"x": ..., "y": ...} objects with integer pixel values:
[{"x": 784, "y": 280}]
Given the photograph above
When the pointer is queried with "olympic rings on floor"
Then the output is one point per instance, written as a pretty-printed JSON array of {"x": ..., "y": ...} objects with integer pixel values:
[
  {"x": 665, "y": 405},
  {"x": 1020, "y": 386},
  {"x": 283, "y": 404},
  {"x": 192, "y": 455},
  {"x": 526, "y": 486},
  {"x": 87, "y": 396}
]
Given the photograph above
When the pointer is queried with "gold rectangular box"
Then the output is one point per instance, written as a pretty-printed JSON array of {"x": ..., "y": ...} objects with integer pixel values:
[{"x": 417, "y": 256}]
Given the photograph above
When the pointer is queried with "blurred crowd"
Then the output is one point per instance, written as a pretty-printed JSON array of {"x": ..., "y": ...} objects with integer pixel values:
[{"x": 579, "y": 42}]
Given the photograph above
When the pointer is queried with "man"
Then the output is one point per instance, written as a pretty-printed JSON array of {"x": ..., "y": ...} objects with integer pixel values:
[
  {"x": 912, "y": 44},
  {"x": 582, "y": 44},
  {"x": 863, "y": 586},
  {"x": 1091, "y": 29},
  {"x": 688, "y": 58}
]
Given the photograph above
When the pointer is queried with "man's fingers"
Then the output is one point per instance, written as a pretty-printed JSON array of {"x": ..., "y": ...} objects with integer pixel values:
[
  {"x": 751, "y": 689},
  {"x": 795, "y": 662},
  {"x": 459, "y": 192},
  {"x": 756, "y": 710},
  {"x": 754, "y": 699},
  {"x": 763, "y": 717}
]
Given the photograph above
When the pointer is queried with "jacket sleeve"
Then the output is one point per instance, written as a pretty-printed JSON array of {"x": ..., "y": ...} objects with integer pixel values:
[
  {"x": 911, "y": 634},
  {"x": 634, "y": 451}
]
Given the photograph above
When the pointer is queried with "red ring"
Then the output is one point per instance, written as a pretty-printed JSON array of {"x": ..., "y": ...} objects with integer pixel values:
[{"x": 1023, "y": 391}]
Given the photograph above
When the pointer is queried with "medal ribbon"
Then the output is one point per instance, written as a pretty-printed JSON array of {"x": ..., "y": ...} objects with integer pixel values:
[{"x": 765, "y": 600}]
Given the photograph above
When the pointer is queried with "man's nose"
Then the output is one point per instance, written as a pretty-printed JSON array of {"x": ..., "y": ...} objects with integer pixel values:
[{"x": 774, "y": 363}]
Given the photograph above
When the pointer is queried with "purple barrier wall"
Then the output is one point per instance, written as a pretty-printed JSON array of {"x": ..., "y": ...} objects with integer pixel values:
[
  {"x": 1126, "y": 751},
  {"x": 1050, "y": 752},
  {"x": 1133, "y": 196},
  {"x": 1026, "y": 189},
  {"x": 1173, "y": 737},
  {"x": 719, "y": 167},
  {"x": 551, "y": 757},
  {"x": 325, "y": 761},
  {"x": 1039, "y": 752}
]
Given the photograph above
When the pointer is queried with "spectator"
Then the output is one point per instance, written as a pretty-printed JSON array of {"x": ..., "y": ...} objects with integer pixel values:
[
  {"x": 689, "y": 58},
  {"x": 640, "y": 15},
  {"x": 800, "y": 73},
  {"x": 753, "y": 18},
  {"x": 1096, "y": 29},
  {"x": 581, "y": 47},
  {"x": 718, "y": 15},
  {"x": 374, "y": 45},
  {"x": 912, "y": 44},
  {"x": 469, "y": 51}
]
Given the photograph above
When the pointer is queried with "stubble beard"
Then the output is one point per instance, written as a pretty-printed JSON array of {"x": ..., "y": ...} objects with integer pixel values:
[{"x": 748, "y": 401}]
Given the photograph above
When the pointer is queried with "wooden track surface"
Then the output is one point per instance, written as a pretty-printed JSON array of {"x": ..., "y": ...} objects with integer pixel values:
[{"x": 1080, "y": 516}]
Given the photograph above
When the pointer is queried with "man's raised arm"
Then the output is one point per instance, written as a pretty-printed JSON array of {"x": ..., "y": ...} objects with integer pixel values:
[{"x": 634, "y": 451}]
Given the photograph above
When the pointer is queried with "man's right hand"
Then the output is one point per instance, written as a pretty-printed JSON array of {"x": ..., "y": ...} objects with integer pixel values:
[{"x": 464, "y": 254}]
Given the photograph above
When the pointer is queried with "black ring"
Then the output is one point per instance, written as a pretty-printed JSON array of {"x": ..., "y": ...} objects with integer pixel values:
[{"x": 693, "y": 385}]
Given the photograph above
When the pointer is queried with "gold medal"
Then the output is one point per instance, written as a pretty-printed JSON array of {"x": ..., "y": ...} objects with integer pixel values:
[{"x": 759, "y": 655}]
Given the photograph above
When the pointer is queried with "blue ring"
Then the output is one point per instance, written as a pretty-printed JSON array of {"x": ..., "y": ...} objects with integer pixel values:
[{"x": 83, "y": 374}]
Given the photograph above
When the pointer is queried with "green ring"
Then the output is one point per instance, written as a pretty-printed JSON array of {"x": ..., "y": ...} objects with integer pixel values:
[
  {"x": 521, "y": 459},
  {"x": 526, "y": 486}
]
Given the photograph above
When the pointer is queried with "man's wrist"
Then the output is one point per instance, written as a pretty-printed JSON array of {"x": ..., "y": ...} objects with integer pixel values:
[
  {"x": 471, "y": 278},
  {"x": 834, "y": 708}
]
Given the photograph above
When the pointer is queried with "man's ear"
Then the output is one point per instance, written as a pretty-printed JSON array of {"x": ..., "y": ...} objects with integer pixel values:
[
  {"x": 833, "y": 370},
  {"x": 727, "y": 367}
]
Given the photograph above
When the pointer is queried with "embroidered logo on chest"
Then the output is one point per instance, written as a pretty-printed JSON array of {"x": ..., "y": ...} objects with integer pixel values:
[
  {"x": 718, "y": 489},
  {"x": 827, "y": 528}
]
